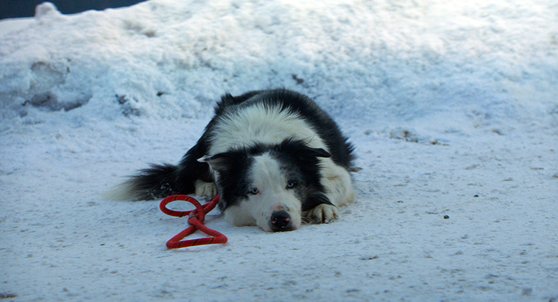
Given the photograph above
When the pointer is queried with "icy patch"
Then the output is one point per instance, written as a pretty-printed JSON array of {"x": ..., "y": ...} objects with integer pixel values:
[{"x": 409, "y": 135}]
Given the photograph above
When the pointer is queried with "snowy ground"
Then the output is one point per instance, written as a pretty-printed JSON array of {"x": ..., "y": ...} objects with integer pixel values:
[{"x": 452, "y": 106}]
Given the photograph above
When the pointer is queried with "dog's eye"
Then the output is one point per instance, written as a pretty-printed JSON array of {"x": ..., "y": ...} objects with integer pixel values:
[
  {"x": 291, "y": 184},
  {"x": 254, "y": 191}
]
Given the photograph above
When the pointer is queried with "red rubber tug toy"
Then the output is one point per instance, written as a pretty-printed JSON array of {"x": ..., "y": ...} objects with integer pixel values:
[{"x": 196, "y": 220}]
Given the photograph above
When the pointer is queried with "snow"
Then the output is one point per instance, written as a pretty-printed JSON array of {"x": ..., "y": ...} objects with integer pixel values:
[{"x": 452, "y": 107}]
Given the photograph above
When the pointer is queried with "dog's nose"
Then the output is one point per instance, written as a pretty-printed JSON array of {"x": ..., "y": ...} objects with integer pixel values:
[{"x": 280, "y": 221}]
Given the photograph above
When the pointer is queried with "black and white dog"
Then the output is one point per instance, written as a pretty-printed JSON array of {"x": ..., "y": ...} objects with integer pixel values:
[{"x": 274, "y": 156}]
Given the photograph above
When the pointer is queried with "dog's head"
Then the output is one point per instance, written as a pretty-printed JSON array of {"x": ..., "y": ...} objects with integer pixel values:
[{"x": 268, "y": 185}]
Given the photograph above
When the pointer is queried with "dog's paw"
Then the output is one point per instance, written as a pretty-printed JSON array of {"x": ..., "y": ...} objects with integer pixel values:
[
  {"x": 205, "y": 189},
  {"x": 322, "y": 213}
]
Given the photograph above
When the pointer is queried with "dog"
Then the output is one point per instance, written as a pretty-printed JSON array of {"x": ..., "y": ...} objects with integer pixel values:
[{"x": 274, "y": 156}]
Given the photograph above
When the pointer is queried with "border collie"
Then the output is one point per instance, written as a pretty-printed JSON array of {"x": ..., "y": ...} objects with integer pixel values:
[{"x": 274, "y": 156}]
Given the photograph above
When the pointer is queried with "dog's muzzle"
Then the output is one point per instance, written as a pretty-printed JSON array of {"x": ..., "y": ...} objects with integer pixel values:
[{"x": 280, "y": 221}]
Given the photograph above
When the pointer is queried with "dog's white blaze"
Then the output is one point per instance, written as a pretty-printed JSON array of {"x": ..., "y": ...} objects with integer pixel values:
[
  {"x": 260, "y": 124},
  {"x": 271, "y": 182}
]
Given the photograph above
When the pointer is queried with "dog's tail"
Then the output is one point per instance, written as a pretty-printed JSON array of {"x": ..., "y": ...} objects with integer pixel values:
[{"x": 155, "y": 182}]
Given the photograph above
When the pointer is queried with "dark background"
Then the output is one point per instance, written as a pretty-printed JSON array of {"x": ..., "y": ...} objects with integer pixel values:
[{"x": 26, "y": 8}]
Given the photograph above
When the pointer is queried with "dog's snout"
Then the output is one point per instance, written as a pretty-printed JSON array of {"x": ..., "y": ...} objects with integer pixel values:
[{"x": 280, "y": 221}]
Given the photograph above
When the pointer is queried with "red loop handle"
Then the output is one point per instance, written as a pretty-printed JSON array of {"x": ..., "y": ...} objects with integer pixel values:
[{"x": 196, "y": 220}]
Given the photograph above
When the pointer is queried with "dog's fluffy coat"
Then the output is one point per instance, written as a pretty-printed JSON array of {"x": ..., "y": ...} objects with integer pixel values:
[{"x": 274, "y": 156}]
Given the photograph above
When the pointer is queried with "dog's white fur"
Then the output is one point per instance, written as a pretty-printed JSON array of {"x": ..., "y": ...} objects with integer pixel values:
[{"x": 272, "y": 196}]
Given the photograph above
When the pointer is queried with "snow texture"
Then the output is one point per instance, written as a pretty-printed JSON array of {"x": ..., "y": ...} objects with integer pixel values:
[{"x": 452, "y": 106}]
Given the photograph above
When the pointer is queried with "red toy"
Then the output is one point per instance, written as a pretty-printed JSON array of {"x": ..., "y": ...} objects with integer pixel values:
[{"x": 196, "y": 220}]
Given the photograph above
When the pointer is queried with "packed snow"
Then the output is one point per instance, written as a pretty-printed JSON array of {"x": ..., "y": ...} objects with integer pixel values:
[{"x": 452, "y": 107}]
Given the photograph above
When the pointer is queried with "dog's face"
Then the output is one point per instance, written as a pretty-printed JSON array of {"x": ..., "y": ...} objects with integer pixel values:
[{"x": 268, "y": 185}]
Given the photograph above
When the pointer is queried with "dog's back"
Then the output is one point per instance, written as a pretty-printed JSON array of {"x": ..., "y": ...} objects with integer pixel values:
[{"x": 254, "y": 112}]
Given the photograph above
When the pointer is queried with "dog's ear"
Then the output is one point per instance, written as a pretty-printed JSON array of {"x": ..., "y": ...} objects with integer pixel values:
[{"x": 218, "y": 162}]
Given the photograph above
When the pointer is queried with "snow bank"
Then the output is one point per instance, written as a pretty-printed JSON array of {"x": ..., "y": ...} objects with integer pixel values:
[
  {"x": 452, "y": 107},
  {"x": 381, "y": 59}
]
